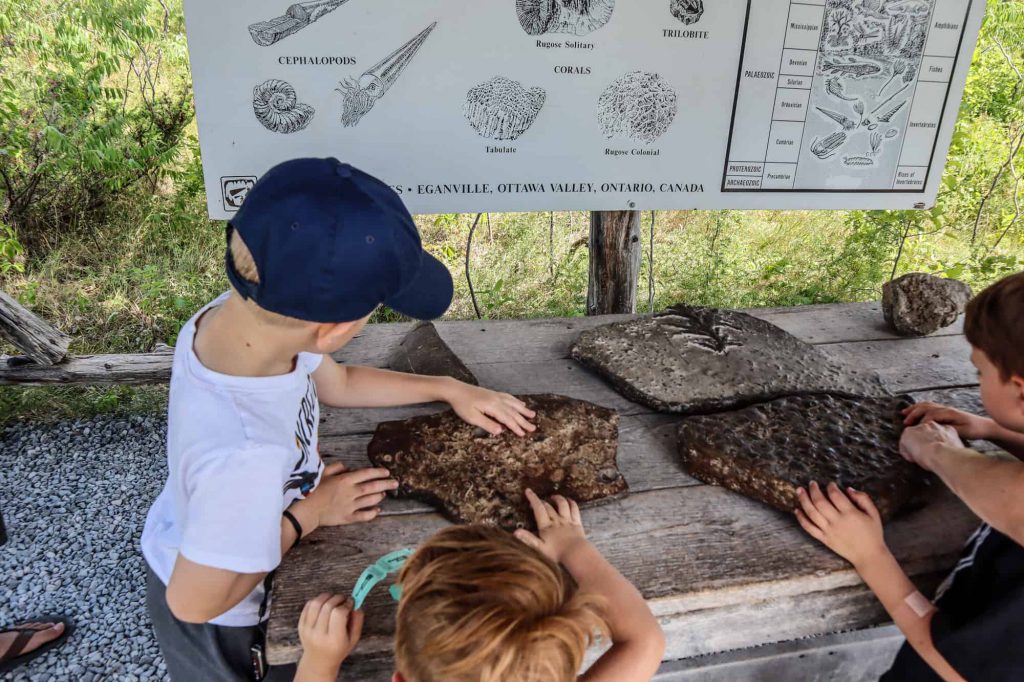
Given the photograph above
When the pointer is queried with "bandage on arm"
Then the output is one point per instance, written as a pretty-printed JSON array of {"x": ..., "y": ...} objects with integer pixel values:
[{"x": 919, "y": 604}]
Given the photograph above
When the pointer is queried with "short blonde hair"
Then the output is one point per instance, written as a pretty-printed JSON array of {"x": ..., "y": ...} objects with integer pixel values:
[
  {"x": 246, "y": 268},
  {"x": 478, "y": 605}
]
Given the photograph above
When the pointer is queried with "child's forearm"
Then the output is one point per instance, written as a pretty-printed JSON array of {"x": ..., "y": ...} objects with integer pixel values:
[
  {"x": 1008, "y": 440},
  {"x": 637, "y": 640},
  {"x": 909, "y": 610},
  {"x": 311, "y": 670},
  {"x": 991, "y": 487},
  {"x": 371, "y": 387}
]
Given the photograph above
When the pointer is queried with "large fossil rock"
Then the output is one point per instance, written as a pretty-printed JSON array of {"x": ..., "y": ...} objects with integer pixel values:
[
  {"x": 766, "y": 451},
  {"x": 423, "y": 351},
  {"x": 695, "y": 360},
  {"x": 918, "y": 304},
  {"x": 473, "y": 477}
]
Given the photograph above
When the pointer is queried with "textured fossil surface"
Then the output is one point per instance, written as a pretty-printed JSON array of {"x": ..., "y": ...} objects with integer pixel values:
[
  {"x": 423, "y": 351},
  {"x": 687, "y": 11},
  {"x": 766, "y": 451},
  {"x": 918, "y": 304},
  {"x": 576, "y": 17},
  {"x": 639, "y": 105},
  {"x": 696, "y": 360},
  {"x": 502, "y": 109},
  {"x": 473, "y": 477}
]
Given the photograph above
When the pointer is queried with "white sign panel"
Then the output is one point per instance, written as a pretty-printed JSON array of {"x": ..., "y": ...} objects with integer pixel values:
[{"x": 524, "y": 105}]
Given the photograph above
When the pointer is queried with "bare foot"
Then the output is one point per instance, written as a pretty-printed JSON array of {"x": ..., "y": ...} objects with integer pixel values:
[{"x": 47, "y": 632}]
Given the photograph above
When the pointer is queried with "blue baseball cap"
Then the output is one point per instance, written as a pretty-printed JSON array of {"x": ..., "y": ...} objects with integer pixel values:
[{"x": 331, "y": 243}]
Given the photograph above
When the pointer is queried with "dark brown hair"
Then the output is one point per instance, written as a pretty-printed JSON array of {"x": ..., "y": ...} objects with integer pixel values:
[
  {"x": 995, "y": 325},
  {"x": 478, "y": 605}
]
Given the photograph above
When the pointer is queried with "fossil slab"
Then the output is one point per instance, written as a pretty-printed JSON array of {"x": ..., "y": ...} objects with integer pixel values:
[
  {"x": 473, "y": 477},
  {"x": 766, "y": 451},
  {"x": 423, "y": 351},
  {"x": 695, "y": 360}
]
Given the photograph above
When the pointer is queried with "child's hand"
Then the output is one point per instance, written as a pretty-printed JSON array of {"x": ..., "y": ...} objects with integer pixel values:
[
  {"x": 329, "y": 630},
  {"x": 560, "y": 526},
  {"x": 490, "y": 410},
  {"x": 917, "y": 442},
  {"x": 967, "y": 425},
  {"x": 849, "y": 526},
  {"x": 344, "y": 497}
]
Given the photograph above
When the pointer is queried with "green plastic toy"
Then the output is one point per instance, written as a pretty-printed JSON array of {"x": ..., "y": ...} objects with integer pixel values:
[{"x": 386, "y": 566}]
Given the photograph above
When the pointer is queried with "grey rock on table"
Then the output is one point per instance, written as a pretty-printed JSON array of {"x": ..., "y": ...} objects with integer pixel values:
[
  {"x": 696, "y": 360},
  {"x": 423, "y": 351},
  {"x": 918, "y": 304},
  {"x": 766, "y": 451}
]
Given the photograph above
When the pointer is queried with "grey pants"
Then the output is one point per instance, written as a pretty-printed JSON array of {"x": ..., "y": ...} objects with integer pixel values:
[{"x": 211, "y": 653}]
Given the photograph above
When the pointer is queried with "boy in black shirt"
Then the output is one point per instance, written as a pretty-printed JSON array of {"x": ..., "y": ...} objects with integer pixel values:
[{"x": 975, "y": 626}]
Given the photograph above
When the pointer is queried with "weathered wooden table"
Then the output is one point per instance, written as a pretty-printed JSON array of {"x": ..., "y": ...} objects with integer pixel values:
[{"x": 721, "y": 572}]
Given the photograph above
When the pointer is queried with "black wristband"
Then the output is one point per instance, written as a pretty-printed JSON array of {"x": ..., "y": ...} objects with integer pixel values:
[{"x": 295, "y": 524}]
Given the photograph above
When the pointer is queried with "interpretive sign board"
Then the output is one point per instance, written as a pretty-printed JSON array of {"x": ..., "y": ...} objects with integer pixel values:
[{"x": 524, "y": 105}]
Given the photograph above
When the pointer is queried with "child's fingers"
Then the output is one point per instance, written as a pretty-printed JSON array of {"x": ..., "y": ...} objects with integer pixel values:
[
  {"x": 821, "y": 503},
  {"x": 576, "y": 516},
  {"x": 807, "y": 505},
  {"x": 486, "y": 423},
  {"x": 524, "y": 423},
  {"x": 338, "y": 616},
  {"x": 528, "y": 538},
  {"x": 865, "y": 503},
  {"x": 506, "y": 417},
  {"x": 361, "y": 476},
  {"x": 540, "y": 513},
  {"x": 842, "y": 502},
  {"x": 328, "y": 617},
  {"x": 809, "y": 526},
  {"x": 355, "y": 627},
  {"x": 367, "y": 501},
  {"x": 562, "y": 505},
  {"x": 335, "y": 468},
  {"x": 377, "y": 485},
  {"x": 365, "y": 515},
  {"x": 914, "y": 413},
  {"x": 520, "y": 407}
]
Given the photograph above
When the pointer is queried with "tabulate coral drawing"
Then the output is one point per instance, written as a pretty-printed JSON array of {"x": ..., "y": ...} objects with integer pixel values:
[
  {"x": 687, "y": 11},
  {"x": 278, "y": 108},
  {"x": 639, "y": 105},
  {"x": 359, "y": 96},
  {"x": 295, "y": 18},
  {"x": 576, "y": 17},
  {"x": 502, "y": 109}
]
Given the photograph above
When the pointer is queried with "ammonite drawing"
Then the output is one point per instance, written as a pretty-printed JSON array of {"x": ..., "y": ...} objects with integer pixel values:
[
  {"x": 278, "y": 108},
  {"x": 639, "y": 105},
  {"x": 577, "y": 17},
  {"x": 502, "y": 109}
]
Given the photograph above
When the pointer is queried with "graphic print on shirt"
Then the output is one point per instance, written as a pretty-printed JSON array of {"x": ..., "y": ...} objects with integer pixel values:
[
  {"x": 301, "y": 478},
  {"x": 974, "y": 542}
]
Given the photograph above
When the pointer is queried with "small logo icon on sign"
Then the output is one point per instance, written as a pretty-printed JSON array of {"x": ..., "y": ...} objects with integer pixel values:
[{"x": 234, "y": 189}]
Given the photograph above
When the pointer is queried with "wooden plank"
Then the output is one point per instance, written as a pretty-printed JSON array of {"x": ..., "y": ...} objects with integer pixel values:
[
  {"x": 615, "y": 252},
  {"x": 859, "y": 655},
  {"x": 706, "y": 559},
  {"x": 478, "y": 342},
  {"x": 43, "y": 343}
]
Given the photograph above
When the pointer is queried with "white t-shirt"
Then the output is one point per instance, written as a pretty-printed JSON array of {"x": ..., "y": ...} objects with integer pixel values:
[{"x": 240, "y": 450}]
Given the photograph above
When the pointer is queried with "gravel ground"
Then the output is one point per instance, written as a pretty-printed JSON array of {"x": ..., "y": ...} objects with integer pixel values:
[{"x": 74, "y": 497}]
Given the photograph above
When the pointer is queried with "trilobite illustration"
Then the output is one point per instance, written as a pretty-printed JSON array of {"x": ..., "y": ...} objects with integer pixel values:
[
  {"x": 576, "y": 17},
  {"x": 687, "y": 11},
  {"x": 278, "y": 108}
]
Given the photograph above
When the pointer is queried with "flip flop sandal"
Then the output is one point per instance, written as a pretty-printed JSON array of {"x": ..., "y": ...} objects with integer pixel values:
[{"x": 13, "y": 658}]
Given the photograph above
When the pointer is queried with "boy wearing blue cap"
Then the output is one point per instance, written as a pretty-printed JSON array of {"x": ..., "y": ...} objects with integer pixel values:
[{"x": 315, "y": 249}]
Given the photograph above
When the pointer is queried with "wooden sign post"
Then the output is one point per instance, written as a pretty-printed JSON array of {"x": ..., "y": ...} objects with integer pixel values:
[{"x": 615, "y": 255}]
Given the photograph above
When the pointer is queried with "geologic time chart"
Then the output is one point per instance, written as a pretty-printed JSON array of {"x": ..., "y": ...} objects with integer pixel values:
[{"x": 844, "y": 95}]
